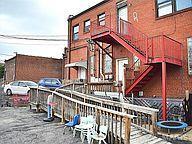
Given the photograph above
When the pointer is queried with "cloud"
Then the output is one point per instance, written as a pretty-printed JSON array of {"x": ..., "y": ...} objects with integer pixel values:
[{"x": 38, "y": 17}]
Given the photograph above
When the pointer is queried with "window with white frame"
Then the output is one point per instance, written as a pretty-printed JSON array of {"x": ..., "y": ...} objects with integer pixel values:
[
  {"x": 165, "y": 7},
  {"x": 189, "y": 45},
  {"x": 101, "y": 19},
  {"x": 108, "y": 64},
  {"x": 87, "y": 24},
  {"x": 76, "y": 32},
  {"x": 92, "y": 69}
]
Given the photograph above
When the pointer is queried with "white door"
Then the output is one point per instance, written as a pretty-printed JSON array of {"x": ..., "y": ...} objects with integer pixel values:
[
  {"x": 122, "y": 14},
  {"x": 120, "y": 68},
  {"x": 81, "y": 73}
]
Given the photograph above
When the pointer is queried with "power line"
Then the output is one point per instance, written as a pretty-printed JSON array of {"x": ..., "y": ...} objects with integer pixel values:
[
  {"x": 26, "y": 35},
  {"x": 27, "y": 44},
  {"x": 25, "y": 38},
  {"x": 6, "y": 54}
]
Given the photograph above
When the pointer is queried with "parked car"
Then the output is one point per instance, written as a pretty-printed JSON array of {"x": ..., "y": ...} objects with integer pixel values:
[
  {"x": 51, "y": 83},
  {"x": 19, "y": 87}
]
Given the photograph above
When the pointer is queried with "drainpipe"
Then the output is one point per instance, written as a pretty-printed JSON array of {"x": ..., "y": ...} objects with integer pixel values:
[
  {"x": 69, "y": 41},
  {"x": 15, "y": 66}
]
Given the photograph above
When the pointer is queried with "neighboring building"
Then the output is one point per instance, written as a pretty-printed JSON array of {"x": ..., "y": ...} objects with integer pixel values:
[
  {"x": 24, "y": 67},
  {"x": 151, "y": 54}
]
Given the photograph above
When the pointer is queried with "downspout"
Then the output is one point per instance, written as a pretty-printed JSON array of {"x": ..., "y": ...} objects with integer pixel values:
[
  {"x": 87, "y": 72},
  {"x": 69, "y": 42},
  {"x": 15, "y": 66}
]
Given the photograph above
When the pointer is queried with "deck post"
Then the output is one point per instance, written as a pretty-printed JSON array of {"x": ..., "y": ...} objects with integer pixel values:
[
  {"x": 37, "y": 100},
  {"x": 62, "y": 111},
  {"x": 77, "y": 109},
  {"x": 127, "y": 130},
  {"x": 98, "y": 116},
  {"x": 154, "y": 120},
  {"x": 164, "y": 99}
]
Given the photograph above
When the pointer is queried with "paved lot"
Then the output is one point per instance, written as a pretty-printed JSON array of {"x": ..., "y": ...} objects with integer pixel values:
[
  {"x": 24, "y": 126},
  {"x": 4, "y": 100}
]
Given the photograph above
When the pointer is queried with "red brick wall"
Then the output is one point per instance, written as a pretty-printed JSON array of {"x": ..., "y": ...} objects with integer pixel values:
[
  {"x": 34, "y": 68},
  {"x": 10, "y": 70},
  {"x": 79, "y": 45},
  {"x": 177, "y": 26},
  {"x": 77, "y": 55}
]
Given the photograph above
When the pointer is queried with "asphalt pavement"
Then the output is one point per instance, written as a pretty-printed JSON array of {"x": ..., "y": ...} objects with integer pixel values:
[
  {"x": 5, "y": 101},
  {"x": 24, "y": 126}
]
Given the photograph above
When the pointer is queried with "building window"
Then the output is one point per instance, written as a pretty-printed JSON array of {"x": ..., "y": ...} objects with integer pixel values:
[
  {"x": 165, "y": 7},
  {"x": 137, "y": 63},
  {"x": 189, "y": 44},
  {"x": 183, "y": 4},
  {"x": 92, "y": 65},
  {"x": 87, "y": 24},
  {"x": 76, "y": 32},
  {"x": 101, "y": 19},
  {"x": 108, "y": 64}
]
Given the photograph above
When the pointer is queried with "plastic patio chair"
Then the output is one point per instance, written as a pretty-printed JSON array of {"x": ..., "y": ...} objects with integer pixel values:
[
  {"x": 101, "y": 136},
  {"x": 71, "y": 124},
  {"x": 91, "y": 127},
  {"x": 83, "y": 121}
]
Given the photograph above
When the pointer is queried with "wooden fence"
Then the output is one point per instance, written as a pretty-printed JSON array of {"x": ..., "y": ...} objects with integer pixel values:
[
  {"x": 119, "y": 123},
  {"x": 145, "y": 119}
]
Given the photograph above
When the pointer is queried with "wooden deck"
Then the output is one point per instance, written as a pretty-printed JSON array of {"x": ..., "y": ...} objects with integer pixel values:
[{"x": 117, "y": 116}]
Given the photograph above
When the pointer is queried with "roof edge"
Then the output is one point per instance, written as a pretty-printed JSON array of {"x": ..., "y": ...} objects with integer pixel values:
[{"x": 87, "y": 10}]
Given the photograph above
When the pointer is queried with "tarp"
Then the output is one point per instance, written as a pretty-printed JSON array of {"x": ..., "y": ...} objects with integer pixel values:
[{"x": 78, "y": 64}]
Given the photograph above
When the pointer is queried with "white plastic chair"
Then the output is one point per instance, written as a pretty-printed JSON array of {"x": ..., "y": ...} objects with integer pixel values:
[
  {"x": 101, "y": 136},
  {"x": 83, "y": 122},
  {"x": 86, "y": 132}
]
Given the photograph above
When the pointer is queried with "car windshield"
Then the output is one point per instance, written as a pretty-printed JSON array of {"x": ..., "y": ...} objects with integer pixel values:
[{"x": 31, "y": 83}]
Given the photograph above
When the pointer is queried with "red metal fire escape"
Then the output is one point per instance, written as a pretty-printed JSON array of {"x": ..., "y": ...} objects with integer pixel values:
[{"x": 153, "y": 52}]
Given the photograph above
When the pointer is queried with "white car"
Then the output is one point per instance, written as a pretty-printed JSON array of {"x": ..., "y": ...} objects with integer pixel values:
[{"x": 19, "y": 87}]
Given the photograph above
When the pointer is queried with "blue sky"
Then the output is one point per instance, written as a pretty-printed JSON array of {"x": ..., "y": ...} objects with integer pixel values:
[{"x": 37, "y": 17}]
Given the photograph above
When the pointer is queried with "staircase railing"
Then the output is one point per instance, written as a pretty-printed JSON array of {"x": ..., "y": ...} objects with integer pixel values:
[
  {"x": 119, "y": 123},
  {"x": 146, "y": 117},
  {"x": 134, "y": 36},
  {"x": 133, "y": 72},
  {"x": 99, "y": 86},
  {"x": 150, "y": 47},
  {"x": 164, "y": 47}
]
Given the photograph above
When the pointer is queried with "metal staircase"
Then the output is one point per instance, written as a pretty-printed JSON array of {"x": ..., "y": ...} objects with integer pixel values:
[{"x": 151, "y": 51}]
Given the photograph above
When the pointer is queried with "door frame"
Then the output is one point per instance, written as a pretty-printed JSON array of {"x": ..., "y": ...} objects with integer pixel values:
[{"x": 117, "y": 66}]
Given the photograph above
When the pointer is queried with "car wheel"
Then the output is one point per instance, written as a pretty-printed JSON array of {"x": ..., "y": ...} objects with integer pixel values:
[
  {"x": 9, "y": 92},
  {"x": 28, "y": 92}
]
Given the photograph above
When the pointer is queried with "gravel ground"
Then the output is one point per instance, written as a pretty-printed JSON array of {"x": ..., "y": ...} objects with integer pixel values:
[
  {"x": 4, "y": 100},
  {"x": 24, "y": 126}
]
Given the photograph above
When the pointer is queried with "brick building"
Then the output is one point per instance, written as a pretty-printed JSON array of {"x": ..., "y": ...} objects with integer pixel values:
[
  {"x": 146, "y": 44},
  {"x": 24, "y": 67}
]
